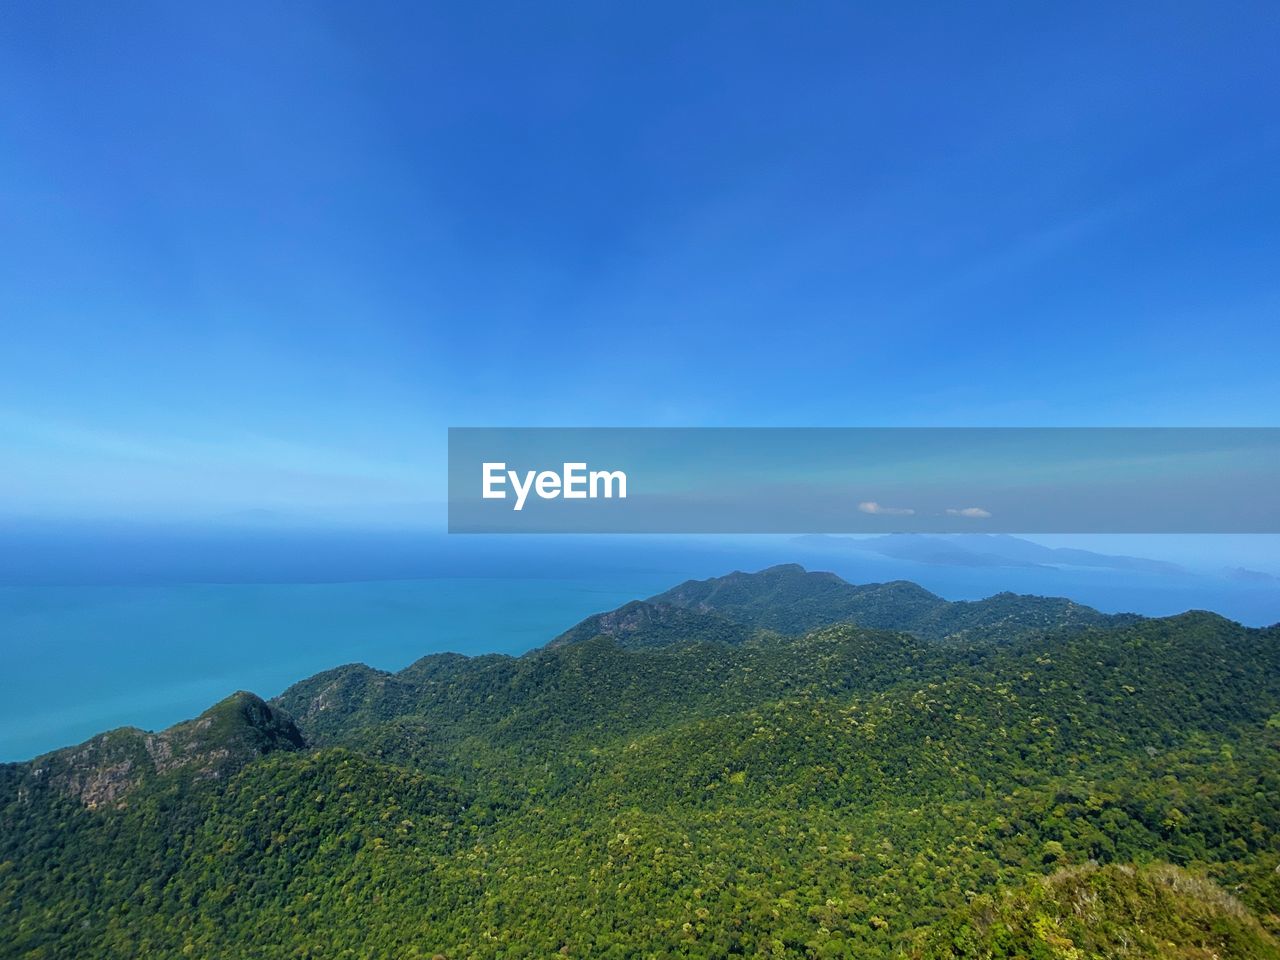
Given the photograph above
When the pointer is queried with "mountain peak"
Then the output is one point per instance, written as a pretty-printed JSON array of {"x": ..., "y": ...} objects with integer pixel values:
[{"x": 102, "y": 771}]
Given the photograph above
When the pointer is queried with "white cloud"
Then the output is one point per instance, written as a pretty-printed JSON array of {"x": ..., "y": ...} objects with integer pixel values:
[
  {"x": 975, "y": 513},
  {"x": 870, "y": 506}
]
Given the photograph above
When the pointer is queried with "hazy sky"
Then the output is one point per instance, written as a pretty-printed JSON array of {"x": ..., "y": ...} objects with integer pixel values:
[{"x": 261, "y": 255}]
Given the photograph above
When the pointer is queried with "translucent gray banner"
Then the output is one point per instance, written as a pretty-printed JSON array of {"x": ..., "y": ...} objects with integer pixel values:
[{"x": 864, "y": 480}]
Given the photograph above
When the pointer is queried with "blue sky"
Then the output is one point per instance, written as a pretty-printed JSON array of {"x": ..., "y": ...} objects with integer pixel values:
[{"x": 259, "y": 256}]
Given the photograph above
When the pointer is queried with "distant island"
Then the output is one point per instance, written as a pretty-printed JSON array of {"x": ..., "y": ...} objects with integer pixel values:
[{"x": 769, "y": 764}]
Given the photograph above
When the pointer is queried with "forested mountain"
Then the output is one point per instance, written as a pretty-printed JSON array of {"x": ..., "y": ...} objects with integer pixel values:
[
  {"x": 740, "y": 766},
  {"x": 788, "y": 599}
]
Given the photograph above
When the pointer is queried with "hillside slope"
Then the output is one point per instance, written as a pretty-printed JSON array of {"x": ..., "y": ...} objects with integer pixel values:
[
  {"x": 849, "y": 792},
  {"x": 1147, "y": 913}
]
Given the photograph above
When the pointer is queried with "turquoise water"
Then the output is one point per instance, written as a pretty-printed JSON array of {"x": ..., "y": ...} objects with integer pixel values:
[{"x": 77, "y": 660}]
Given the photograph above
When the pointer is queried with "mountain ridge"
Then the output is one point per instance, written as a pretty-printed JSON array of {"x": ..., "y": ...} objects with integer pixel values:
[
  {"x": 704, "y": 610},
  {"x": 788, "y": 598},
  {"x": 836, "y": 793},
  {"x": 985, "y": 550}
]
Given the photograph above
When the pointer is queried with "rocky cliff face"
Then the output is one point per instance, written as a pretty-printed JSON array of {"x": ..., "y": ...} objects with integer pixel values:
[{"x": 104, "y": 770}]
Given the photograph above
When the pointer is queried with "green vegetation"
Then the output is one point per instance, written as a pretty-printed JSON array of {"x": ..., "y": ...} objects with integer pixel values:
[
  {"x": 1160, "y": 913},
  {"x": 789, "y": 599},
  {"x": 1019, "y": 777}
]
